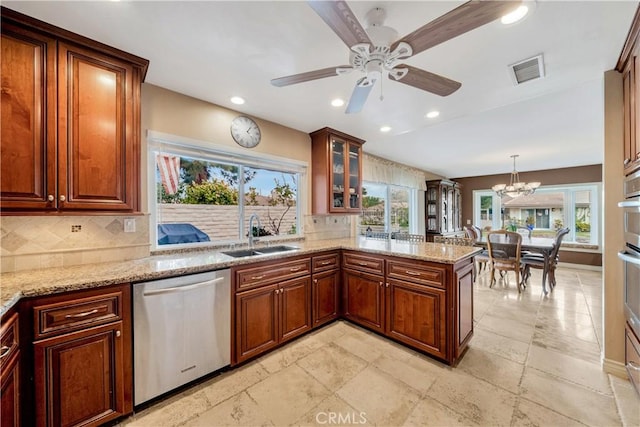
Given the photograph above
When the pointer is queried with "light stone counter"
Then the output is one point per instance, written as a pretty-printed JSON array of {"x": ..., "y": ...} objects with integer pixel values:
[{"x": 14, "y": 286}]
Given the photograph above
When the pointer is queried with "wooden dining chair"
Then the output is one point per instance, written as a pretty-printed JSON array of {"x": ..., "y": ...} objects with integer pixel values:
[
  {"x": 482, "y": 258},
  {"x": 535, "y": 260},
  {"x": 504, "y": 254}
]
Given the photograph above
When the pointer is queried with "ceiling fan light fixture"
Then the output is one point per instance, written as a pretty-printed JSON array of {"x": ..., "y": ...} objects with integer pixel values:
[
  {"x": 238, "y": 100},
  {"x": 338, "y": 102},
  {"x": 516, "y": 15},
  {"x": 432, "y": 114}
]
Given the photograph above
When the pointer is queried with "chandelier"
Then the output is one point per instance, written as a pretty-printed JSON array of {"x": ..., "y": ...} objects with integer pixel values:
[{"x": 516, "y": 188}]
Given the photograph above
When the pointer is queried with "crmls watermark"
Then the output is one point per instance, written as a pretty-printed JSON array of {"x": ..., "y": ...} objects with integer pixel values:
[{"x": 330, "y": 418}]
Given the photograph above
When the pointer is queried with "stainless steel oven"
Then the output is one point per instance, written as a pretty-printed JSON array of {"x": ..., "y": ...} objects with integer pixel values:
[{"x": 630, "y": 257}]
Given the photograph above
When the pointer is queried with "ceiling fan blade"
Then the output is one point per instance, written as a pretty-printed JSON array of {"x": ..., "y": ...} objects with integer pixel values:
[
  {"x": 466, "y": 17},
  {"x": 425, "y": 80},
  {"x": 359, "y": 95},
  {"x": 309, "y": 75},
  {"x": 338, "y": 16}
]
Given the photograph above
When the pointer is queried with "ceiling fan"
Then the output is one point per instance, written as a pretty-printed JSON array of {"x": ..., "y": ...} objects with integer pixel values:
[{"x": 378, "y": 50}]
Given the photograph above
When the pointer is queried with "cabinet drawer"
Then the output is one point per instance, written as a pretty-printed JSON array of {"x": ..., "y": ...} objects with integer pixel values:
[
  {"x": 362, "y": 262},
  {"x": 9, "y": 339},
  {"x": 325, "y": 262},
  {"x": 271, "y": 272},
  {"x": 632, "y": 357},
  {"x": 416, "y": 272},
  {"x": 76, "y": 313}
]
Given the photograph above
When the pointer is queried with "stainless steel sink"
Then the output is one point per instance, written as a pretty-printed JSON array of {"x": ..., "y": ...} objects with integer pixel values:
[{"x": 241, "y": 253}]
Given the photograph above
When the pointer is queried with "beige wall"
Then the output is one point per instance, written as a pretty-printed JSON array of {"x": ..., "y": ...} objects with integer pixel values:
[
  {"x": 173, "y": 113},
  {"x": 613, "y": 174}
]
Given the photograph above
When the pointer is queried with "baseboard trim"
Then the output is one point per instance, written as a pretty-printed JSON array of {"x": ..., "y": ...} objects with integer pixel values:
[
  {"x": 580, "y": 266},
  {"x": 614, "y": 368}
]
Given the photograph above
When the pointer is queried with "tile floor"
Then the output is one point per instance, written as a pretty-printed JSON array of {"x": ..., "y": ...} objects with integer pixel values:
[{"x": 533, "y": 361}]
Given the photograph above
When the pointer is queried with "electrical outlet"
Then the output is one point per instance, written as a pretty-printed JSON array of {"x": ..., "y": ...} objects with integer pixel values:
[
  {"x": 468, "y": 222},
  {"x": 129, "y": 225}
]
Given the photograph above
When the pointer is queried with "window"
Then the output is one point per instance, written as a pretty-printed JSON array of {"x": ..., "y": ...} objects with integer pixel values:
[
  {"x": 545, "y": 211},
  {"x": 388, "y": 208},
  {"x": 209, "y": 195}
]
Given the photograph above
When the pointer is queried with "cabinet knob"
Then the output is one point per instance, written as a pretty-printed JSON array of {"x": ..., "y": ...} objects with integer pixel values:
[
  {"x": 118, "y": 333},
  {"x": 381, "y": 284},
  {"x": 4, "y": 351},
  {"x": 50, "y": 198},
  {"x": 315, "y": 281},
  {"x": 387, "y": 284},
  {"x": 62, "y": 198}
]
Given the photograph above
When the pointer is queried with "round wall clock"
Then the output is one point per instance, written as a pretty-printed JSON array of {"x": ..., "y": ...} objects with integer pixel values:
[{"x": 245, "y": 131}]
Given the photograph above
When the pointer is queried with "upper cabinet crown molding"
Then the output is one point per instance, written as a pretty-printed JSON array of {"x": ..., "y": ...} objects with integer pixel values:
[
  {"x": 70, "y": 122},
  {"x": 631, "y": 43}
]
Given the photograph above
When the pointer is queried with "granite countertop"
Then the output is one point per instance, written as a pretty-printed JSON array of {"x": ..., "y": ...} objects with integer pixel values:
[{"x": 14, "y": 286}]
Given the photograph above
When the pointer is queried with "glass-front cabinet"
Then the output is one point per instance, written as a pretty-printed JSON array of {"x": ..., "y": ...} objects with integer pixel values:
[
  {"x": 443, "y": 208},
  {"x": 336, "y": 172}
]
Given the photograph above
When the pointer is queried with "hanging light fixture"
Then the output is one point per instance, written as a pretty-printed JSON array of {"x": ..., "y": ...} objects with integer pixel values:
[{"x": 516, "y": 188}]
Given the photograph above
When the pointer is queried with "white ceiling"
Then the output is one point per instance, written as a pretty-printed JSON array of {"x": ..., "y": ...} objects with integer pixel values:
[{"x": 213, "y": 50}]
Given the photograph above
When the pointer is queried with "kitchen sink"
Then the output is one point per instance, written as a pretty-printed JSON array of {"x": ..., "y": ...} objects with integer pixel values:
[{"x": 241, "y": 253}]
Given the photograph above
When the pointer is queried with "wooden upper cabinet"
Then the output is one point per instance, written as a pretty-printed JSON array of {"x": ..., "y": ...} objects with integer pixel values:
[
  {"x": 629, "y": 66},
  {"x": 336, "y": 172},
  {"x": 28, "y": 137},
  {"x": 70, "y": 120}
]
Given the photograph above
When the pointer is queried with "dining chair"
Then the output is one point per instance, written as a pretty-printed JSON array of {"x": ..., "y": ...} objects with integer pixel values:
[
  {"x": 474, "y": 232},
  {"x": 523, "y": 231},
  {"x": 504, "y": 253},
  {"x": 408, "y": 237},
  {"x": 535, "y": 260}
]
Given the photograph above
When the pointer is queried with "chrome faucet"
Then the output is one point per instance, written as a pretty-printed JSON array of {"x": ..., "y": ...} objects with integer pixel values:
[{"x": 252, "y": 240}]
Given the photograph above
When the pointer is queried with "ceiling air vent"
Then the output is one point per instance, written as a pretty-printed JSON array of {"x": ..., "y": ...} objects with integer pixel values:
[{"x": 527, "y": 69}]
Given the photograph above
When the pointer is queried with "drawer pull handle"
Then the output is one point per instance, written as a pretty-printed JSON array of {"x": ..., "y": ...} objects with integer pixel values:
[
  {"x": 294, "y": 269},
  {"x": 4, "y": 351},
  {"x": 257, "y": 277},
  {"x": 633, "y": 365},
  {"x": 627, "y": 161},
  {"x": 325, "y": 263},
  {"x": 83, "y": 314},
  {"x": 412, "y": 273},
  {"x": 364, "y": 264}
]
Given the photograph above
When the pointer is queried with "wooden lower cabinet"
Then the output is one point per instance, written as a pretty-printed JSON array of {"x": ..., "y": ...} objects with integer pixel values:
[
  {"x": 271, "y": 314},
  {"x": 10, "y": 372},
  {"x": 364, "y": 299},
  {"x": 325, "y": 296},
  {"x": 79, "y": 377},
  {"x": 463, "y": 326},
  {"x": 417, "y": 315}
]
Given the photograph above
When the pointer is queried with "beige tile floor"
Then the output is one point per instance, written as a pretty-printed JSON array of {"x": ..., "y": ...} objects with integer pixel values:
[{"x": 533, "y": 361}]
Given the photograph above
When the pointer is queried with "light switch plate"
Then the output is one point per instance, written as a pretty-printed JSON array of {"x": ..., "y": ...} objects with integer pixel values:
[{"x": 130, "y": 225}]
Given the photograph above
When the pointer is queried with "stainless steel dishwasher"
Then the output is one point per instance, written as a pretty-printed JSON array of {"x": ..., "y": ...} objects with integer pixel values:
[{"x": 182, "y": 328}]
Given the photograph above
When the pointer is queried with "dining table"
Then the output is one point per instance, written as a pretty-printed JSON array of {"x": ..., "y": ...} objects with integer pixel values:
[{"x": 541, "y": 245}]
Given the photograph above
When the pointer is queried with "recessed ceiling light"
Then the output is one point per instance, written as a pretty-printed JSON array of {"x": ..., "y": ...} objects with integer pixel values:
[
  {"x": 385, "y": 128},
  {"x": 432, "y": 114},
  {"x": 237, "y": 100},
  {"x": 516, "y": 15},
  {"x": 337, "y": 102}
]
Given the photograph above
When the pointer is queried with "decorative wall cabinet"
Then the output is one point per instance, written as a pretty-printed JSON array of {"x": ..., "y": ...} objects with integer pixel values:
[
  {"x": 336, "y": 172},
  {"x": 70, "y": 121},
  {"x": 629, "y": 66},
  {"x": 443, "y": 208}
]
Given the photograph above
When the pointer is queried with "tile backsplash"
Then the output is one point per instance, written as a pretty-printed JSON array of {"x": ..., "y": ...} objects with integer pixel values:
[
  {"x": 34, "y": 242},
  {"x": 320, "y": 227}
]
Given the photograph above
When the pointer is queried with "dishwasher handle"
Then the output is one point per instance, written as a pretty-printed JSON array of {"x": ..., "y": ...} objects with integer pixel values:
[{"x": 184, "y": 288}]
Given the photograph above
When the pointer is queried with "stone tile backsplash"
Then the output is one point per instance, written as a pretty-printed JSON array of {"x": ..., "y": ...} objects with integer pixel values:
[
  {"x": 34, "y": 242},
  {"x": 320, "y": 227}
]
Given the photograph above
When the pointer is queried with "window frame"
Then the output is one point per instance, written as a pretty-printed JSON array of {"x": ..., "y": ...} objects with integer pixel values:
[
  {"x": 569, "y": 205},
  {"x": 211, "y": 152},
  {"x": 412, "y": 200}
]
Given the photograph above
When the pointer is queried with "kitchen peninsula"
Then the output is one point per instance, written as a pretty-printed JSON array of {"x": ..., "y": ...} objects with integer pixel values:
[{"x": 418, "y": 294}]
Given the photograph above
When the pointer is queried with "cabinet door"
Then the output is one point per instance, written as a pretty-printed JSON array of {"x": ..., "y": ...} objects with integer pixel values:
[
  {"x": 353, "y": 178},
  {"x": 96, "y": 153},
  {"x": 295, "y": 307},
  {"x": 629, "y": 101},
  {"x": 325, "y": 296},
  {"x": 416, "y": 315},
  {"x": 79, "y": 377},
  {"x": 10, "y": 393},
  {"x": 364, "y": 299},
  {"x": 339, "y": 169},
  {"x": 464, "y": 311},
  {"x": 28, "y": 175},
  {"x": 256, "y": 321}
]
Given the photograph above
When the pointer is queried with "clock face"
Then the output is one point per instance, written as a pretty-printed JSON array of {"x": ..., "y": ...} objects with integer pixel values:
[{"x": 245, "y": 131}]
